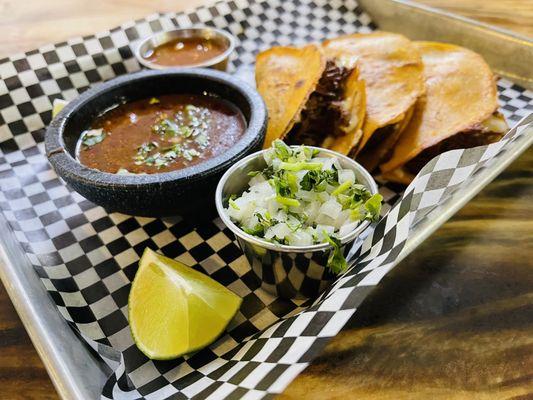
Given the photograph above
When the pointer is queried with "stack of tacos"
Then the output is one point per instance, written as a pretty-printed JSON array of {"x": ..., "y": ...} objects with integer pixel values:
[{"x": 390, "y": 103}]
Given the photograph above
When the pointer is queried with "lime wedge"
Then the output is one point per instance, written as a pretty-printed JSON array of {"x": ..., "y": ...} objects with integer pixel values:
[
  {"x": 175, "y": 310},
  {"x": 57, "y": 106}
]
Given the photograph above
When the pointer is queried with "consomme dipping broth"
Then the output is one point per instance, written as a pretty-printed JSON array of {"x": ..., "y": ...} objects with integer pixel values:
[{"x": 161, "y": 134}]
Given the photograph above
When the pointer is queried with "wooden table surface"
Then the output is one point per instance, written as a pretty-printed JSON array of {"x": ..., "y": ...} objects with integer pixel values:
[{"x": 453, "y": 321}]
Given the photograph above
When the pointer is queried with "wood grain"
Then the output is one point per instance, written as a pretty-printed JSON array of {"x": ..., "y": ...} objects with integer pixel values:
[
  {"x": 453, "y": 321},
  {"x": 32, "y": 23},
  {"x": 24, "y": 28},
  {"x": 22, "y": 374},
  {"x": 515, "y": 15}
]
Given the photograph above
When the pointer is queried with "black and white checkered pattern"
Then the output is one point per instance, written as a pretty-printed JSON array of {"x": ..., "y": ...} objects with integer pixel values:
[{"x": 87, "y": 258}]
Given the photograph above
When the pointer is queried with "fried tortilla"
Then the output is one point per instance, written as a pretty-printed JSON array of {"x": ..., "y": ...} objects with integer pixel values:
[
  {"x": 392, "y": 70},
  {"x": 334, "y": 113},
  {"x": 353, "y": 107},
  {"x": 458, "y": 110},
  {"x": 285, "y": 78}
]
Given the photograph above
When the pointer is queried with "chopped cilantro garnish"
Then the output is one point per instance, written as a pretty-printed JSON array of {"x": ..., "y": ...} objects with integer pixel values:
[
  {"x": 164, "y": 156},
  {"x": 298, "y": 166},
  {"x": 266, "y": 220},
  {"x": 258, "y": 230},
  {"x": 189, "y": 154},
  {"x": 189, "y": 127},
  {"x": 268, "y": 172},
  {"x": 283, "y": 151},
  {"x": 143, "y": 152},
  {"x": 292, "y": 180},
  {"x": 342, "y": 188},
  {"x": 189, "y": 123},
  {"x": 373, "y": 207},
  {"x": 336, "y": 259},
  {"x": 287, "y": 201},
  {"x": 233, "y": 204},
  {"x": 318, "y": 180},
  {"x": 167, "y": 127},
  {"x": 91, "y": 137}
]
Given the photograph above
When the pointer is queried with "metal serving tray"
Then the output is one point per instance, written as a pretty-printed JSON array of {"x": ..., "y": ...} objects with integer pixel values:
[{"x": 73, "y": 368}]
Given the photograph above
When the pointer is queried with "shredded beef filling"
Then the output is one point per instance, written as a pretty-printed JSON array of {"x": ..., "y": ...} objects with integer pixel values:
[
  {"x": 462, "y": 140},
  {"x": 323, "y": 113}
]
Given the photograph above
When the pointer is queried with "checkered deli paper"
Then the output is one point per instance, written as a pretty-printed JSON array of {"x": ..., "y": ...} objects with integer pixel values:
[{"x": 87, "y": 258}]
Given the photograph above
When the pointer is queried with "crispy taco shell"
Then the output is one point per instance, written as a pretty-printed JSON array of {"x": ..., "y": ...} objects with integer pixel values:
[
  {"x": 381, "y": 144},
  {"x": 457, "y": 110},
  {"x": 489, "y": 131},
  {"x": 333, "y": 115},
  {"x": 392, "y": 70},
  {"x": 285, "y": 78},
  {"x": 355, "y": 105}
]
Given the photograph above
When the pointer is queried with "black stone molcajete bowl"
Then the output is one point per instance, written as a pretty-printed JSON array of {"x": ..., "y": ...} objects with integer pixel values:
[{"x": 188, "y": 192}]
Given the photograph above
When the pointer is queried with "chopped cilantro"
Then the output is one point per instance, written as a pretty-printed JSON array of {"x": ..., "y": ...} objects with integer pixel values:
[
  {"x": 167, "y": 127},
  {"x": 91, "y": 137},
  {"x": 164, "y": 156},
  {"x": 190, "y": 122},
  {"x": 233, "y": 204},
  {"x": 287, "y": 201},
  {"x": 298, "y": 166},
  {"x": 258, "y": 230},
  {"x": 266, "y": 220},
  {"x": 336, "y": 259},
  {"x": 268, "y": 172},
  {"x": 373, "y": 207},
  {"x": 283, "y": 151},
  {"x": 342, "y": 188},
  {"x": 189, "y": 154},
  {"x": 318, "y": 180}
]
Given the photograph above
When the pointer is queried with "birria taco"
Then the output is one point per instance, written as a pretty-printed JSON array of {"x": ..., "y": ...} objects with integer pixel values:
[
  {"x": 310, "y": 99},
  {"x": 285, "y": 78},
  {"x": 391, "y": 68},
  {"x": 458, "y": 110}
]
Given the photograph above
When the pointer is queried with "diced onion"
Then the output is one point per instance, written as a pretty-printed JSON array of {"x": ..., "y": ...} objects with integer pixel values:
[
  {"x": 298, "y": 200},
  {"x": 346, "y": 175}
]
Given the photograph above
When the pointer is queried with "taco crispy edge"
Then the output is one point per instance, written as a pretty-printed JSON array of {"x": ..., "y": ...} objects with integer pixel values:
[
  {"x": 457, "y": 110},
  {"x": 355, "y": 106},
  {"x": 285, "y": 78},
  {"x": 392, "y": 70}
]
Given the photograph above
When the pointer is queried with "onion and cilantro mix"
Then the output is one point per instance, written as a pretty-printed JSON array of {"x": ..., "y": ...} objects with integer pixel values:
[{"x": 301, "y": 199}]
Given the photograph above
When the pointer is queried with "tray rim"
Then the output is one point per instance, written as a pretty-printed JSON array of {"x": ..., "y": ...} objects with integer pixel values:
[
  {"x": 450, "y": 15},
  {"x": 477, "y": 35},
  {"x": 58, "y": 345}
]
